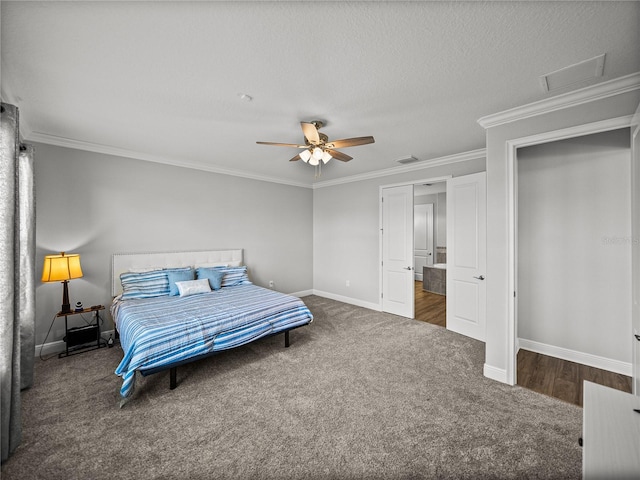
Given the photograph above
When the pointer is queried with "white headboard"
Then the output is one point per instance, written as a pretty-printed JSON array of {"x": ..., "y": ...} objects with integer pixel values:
[{"x": 124, "y": 262}]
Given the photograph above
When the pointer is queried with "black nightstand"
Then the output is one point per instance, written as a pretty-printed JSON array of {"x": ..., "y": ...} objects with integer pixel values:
[{"x": 81, "y": 339}]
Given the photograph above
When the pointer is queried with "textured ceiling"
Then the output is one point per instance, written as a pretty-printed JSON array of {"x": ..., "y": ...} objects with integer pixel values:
[{"x": 162, "y": 80}]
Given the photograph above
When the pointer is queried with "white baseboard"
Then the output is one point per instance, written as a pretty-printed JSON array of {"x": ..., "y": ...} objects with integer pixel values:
[
  {"x": 349, "y": 300},
  {"x": 602, "y": 363},
  {"x": 49, "y": 348},
  {"x": 303, "y": 293},
  {"x": 60, "y": 346},
  {"x": 497, "y": 374}
]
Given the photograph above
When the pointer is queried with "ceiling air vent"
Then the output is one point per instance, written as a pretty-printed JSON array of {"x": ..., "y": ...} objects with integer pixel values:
[
  {"x": 573, "y": 74},
  {"x": 410, "y": 159}
]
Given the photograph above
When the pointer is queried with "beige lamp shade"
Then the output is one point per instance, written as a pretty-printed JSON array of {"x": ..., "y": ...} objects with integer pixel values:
[{"x": 58, "y": 268}]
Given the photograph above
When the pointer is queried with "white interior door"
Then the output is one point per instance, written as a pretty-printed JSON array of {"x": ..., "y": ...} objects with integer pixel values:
[
  {"x": 422, "y": 237},
  {"x": 397, "y": 251},
  {"x": 466, "y": 255}
]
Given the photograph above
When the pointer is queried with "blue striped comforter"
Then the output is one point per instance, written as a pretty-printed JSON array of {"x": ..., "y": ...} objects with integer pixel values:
[{"x": 156, "y": 332}]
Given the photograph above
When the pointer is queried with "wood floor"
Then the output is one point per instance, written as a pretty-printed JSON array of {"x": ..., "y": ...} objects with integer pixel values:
[
  {"x": 547, "y": 375},
  {"x": 563, "y": 379},
  {"x": 430, "y": 307}
]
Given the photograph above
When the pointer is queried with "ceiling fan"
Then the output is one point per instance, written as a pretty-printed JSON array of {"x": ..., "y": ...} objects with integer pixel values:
[{"x": 318, "y": 150}]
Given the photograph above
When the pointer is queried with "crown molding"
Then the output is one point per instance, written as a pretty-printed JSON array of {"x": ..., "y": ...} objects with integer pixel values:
[
  {"x": 121, "y": 152},
  {"x": 435, "y": 162},
  {"x": 617, "y": 86}
]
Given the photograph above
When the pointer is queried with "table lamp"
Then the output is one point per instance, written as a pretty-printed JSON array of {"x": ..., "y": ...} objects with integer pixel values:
[{"x": 62, "y": 268}]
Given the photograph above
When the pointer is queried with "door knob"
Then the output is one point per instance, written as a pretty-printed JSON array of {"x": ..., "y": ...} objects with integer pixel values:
[
  {"x": 408, "y": 268},
  {"x": 481, "y": 277}
]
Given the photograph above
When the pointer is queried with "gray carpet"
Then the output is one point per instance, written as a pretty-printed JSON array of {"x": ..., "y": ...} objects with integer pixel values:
[{"x": 359, "y": 394}]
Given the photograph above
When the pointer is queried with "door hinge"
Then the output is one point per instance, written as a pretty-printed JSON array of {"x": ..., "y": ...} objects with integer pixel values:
[
  {"x": 381, "y": 295},
  {"x": 514, "y": 294}
]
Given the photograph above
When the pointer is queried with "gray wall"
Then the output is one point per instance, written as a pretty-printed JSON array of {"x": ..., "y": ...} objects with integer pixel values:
[
  {"x": 574, "y": 257},
  {"x": 424, "y": 199},
  {"x": 97, "y": 205},
  {"x": 346, "y": 232}
]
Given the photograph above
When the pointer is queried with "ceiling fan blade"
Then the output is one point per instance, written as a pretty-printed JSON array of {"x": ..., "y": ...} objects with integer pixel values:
[
  {"x": 350, "y": 142},
  {"x": 296, "y": 158},
  {"x": 343, "y": 157},
  {"x": 310, "y": 132},
  {"x": 294, "y": 145}
]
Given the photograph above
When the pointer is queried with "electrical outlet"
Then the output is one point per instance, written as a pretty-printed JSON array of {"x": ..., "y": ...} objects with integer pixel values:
[
  {"x": 348, "y": 283},
  {"x": 271, "y": 284}
]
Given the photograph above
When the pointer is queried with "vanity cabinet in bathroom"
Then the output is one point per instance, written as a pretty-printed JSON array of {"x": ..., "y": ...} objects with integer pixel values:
[{"x": 434, "y": 278}]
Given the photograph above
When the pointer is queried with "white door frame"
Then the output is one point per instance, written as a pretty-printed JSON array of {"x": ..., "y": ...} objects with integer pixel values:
[
  {"x": 512, "y": 224},
  {"x": 380, "y": 237}
]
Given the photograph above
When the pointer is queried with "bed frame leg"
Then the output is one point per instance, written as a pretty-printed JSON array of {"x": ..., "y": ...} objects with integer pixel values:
[
  {"x": 286, "y": 339},
  {"x": 172, "y": 378}
]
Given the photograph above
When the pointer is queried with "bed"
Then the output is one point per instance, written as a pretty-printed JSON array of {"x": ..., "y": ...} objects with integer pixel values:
[{"x": 174, "y": 308}]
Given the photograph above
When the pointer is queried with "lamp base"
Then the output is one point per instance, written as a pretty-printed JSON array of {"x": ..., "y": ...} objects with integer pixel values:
[{"x": 66, "y": 306}]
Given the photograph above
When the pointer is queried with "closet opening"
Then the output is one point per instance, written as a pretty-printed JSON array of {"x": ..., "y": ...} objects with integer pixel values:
[{"x": 573, "y": 264}]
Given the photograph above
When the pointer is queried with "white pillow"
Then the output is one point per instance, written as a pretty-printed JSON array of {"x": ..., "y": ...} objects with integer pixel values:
[{"x": 192, "y": 287}]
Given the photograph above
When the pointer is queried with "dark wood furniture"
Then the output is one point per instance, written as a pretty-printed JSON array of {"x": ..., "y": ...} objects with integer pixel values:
[{"x": 89, "y": 345}]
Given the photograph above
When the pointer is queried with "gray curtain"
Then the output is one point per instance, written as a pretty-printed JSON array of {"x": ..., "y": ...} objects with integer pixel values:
[{"x": 17, "y": 275}]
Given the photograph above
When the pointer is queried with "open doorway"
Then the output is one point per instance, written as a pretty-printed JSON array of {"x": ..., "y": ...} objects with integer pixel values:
[
  {"x": 573, "y": 264},
  {"x": 430, "y": 252},
  {"x": 465, "y": 293}
]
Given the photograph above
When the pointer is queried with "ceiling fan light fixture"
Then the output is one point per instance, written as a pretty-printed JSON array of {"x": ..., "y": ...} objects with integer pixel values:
[
  {"x": 326, "y": 156},
  {"x": 305, "y": 155},
  {"x": 317, "y": 153},
  {"x": 314, "y": 161}
]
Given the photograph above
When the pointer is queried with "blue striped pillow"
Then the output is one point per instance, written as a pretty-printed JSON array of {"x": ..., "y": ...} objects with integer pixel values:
[
  {"x": 234, "y": 276},
  {"x": 144, "y": 284}
]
